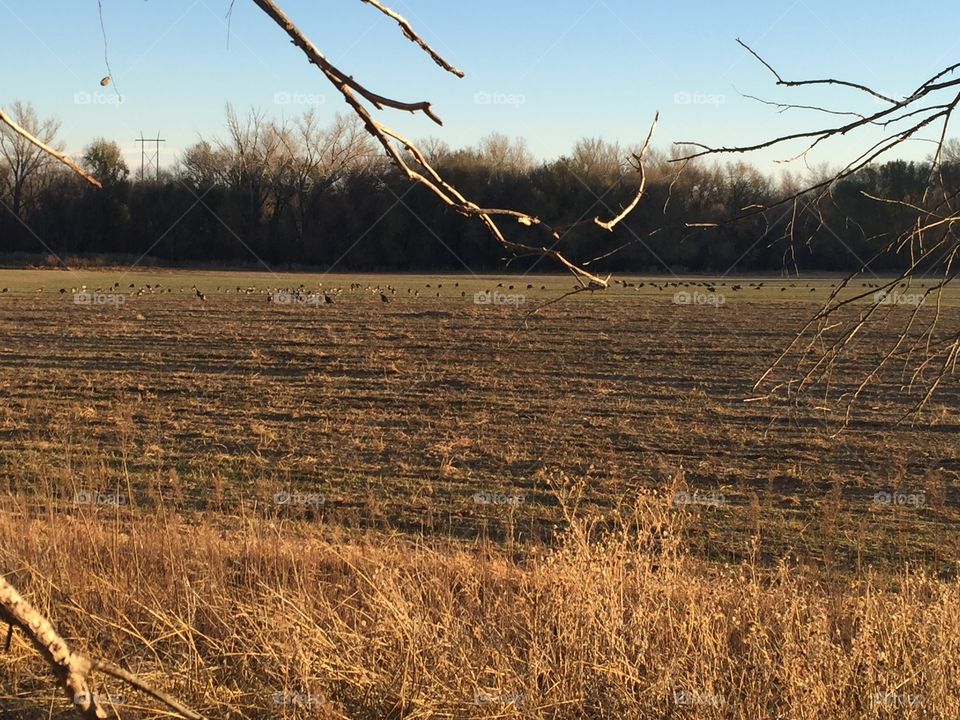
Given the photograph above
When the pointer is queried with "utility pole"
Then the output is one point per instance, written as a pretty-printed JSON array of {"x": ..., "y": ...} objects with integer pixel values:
[{"x": 151, "y": 158}]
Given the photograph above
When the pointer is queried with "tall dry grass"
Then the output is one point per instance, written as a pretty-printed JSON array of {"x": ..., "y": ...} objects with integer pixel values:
[{"x": 255, "y": 618}]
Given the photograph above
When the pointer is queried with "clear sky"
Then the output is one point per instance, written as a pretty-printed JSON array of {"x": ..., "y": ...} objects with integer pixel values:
[{"x": 550, "y": 71}]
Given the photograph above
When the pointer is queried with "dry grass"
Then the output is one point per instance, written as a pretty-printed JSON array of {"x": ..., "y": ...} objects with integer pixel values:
[
  {"x": 400, "y": 597},
  {"x": 289, "y": 620}
]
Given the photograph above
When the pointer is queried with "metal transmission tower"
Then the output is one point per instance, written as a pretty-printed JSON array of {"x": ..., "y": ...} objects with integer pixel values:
[{"x": 151, "y": 158}]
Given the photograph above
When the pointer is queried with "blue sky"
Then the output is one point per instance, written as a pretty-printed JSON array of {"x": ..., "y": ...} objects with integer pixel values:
[{"x": 551, "y": 72}]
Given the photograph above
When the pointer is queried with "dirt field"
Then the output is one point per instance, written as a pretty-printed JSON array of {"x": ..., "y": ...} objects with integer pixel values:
[
  {"x": 275, "y": 505},
  {"x": 395, "y": 415}
]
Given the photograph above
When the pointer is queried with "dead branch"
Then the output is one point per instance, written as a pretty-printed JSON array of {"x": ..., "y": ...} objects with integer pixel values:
[
  {"x": 927, "y": 358},
  {"x": 6, "y": 120},
  {"x": 70, "y": 669},
  {"x": 413, "y": 37},
  {"x": 418, "y": 169}
]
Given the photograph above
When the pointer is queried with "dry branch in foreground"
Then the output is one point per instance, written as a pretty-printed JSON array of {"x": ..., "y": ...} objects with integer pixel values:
[
  {"x": 924, "y": 356},
  {"x": 70, "y": 669},
  {"x": 419, "y": 169},
  {"x": 22, "y": 132}
]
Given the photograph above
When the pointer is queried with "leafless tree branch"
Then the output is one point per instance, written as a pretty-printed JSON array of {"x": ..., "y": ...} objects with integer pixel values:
[
  {"x": 71, "y": 669},
  {"x": 418, "y": 169},
  {"x": 22, "y": 132},
  {"x": 928, "y": 356}
]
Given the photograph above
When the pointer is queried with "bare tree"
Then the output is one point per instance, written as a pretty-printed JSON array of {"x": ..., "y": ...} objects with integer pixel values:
[
  {"x": 322, "y": 158},
  {"x": 26, "y": 154},
  {"x": 502, "y": 154},
  {"x": 595, "y": 158}
]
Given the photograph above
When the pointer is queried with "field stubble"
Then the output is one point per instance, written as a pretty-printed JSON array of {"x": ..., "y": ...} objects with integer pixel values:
[{"x": 474, "y": 464}]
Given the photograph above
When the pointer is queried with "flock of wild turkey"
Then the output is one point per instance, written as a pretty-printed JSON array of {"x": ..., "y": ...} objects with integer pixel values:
[{"x": 328, "y": 295}]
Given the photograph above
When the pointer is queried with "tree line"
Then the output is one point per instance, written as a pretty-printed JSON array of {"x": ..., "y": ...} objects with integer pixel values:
[{"x": 305, "y": 193}]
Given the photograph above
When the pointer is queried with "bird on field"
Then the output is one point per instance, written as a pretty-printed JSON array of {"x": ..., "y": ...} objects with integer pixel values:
[
  {"x": 384, "y": 298},
  {"x": 6, "y": 290},
  {"x": 736, "y": 287},
  {"x": 63, "y": 291},
  {"x": 200, "y": 295},
  {"x": 327, "y": 300}
]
